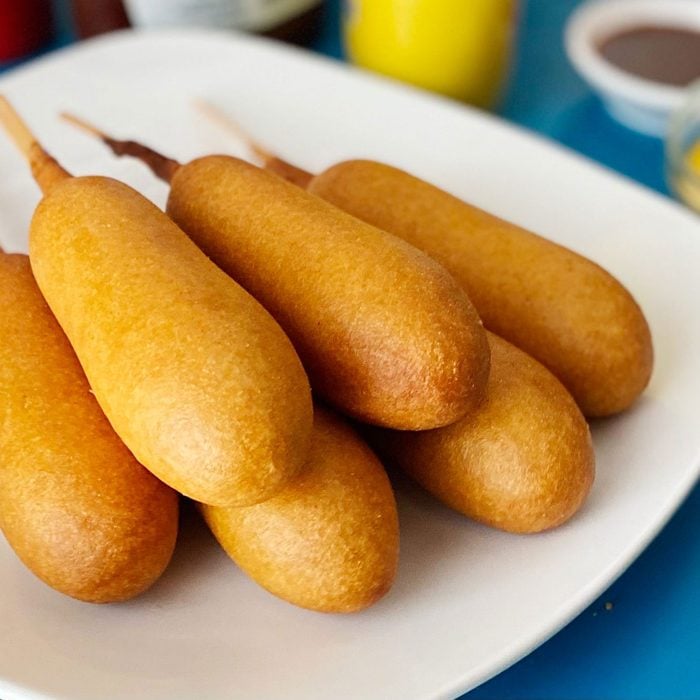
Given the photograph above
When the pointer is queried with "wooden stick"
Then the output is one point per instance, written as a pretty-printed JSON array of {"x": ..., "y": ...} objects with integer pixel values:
[
  {"x": 45, "y": 169},
  {"x": 162, "y": 166},
  {"x": 83, "y": 125},
  {"x": 266, "y": 158},
  {"x": 16, "y": 128},
  {"x": 218, "y": 116}
]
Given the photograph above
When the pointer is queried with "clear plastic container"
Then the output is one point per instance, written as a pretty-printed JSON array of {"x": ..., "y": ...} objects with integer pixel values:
[{"x": 683, "y": 150}]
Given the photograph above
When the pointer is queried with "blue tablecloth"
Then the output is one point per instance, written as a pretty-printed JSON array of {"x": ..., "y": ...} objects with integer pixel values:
[{"x": 641, "y": 639}]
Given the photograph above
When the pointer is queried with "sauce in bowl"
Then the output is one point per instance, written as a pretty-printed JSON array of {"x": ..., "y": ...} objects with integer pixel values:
[{"x": 667, "y": 55}]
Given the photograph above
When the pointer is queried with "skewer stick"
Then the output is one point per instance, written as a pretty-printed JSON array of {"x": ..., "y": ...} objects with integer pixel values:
[
  {"x": 83, "y": 125},
  {"x": 218, "y": 116},
  {"x": 16, "y": 128},
  {"x": 162, "y": 166},
  {"x": 45, "y": 169},
  {"x": 266, "y": 158}
]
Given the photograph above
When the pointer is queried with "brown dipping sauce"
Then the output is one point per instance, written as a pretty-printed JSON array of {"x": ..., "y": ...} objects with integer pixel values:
[{"x": 662, "y": 54}]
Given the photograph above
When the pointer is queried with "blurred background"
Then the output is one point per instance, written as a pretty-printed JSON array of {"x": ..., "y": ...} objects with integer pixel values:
[
  {"x": 503, "y": 55},
  {"x": 613, "y": 80}
]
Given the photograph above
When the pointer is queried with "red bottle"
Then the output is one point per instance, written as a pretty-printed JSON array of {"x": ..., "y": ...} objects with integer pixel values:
[{"x": 25, "y": 25}]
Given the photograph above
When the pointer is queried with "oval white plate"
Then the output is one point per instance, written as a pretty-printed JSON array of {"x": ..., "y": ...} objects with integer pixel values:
[{"x": 468, "y": 601}]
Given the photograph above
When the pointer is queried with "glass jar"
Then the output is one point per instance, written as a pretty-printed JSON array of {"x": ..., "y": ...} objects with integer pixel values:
[{"x": 683, "y": 149}]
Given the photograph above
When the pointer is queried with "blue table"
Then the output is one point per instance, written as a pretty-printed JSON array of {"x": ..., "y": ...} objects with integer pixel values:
[{"x": 641, "y": 639}]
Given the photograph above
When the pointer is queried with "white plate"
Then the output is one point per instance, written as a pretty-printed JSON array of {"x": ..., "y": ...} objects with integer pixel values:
[{"x": 468, "y": 601}]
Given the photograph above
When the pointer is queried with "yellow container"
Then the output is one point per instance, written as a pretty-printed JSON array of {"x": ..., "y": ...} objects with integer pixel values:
[{"x": 460, "y": 48}]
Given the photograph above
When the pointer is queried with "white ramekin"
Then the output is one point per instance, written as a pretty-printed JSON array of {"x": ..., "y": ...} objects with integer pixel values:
[{"x": 641, "y": 104}]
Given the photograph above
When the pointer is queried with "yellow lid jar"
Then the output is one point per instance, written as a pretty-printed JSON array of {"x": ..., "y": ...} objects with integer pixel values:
[{"x": 459, "y": 48}]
